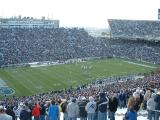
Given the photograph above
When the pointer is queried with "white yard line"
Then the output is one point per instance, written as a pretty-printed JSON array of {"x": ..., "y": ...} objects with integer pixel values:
[{"x": 140, "y": 64}]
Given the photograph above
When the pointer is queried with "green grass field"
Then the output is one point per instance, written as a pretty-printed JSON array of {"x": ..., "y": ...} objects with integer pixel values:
[{"x": 29, "y": 81}]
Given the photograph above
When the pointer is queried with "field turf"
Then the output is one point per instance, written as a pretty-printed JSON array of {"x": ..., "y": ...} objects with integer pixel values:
[{"x": 29, "y": 81}]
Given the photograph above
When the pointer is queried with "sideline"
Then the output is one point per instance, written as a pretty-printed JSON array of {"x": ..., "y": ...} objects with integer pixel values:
[{"x": 140, "y": 64}]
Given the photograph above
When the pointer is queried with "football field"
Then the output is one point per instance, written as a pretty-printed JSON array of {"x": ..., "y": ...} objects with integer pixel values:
[{"x": 34, "y": 80}]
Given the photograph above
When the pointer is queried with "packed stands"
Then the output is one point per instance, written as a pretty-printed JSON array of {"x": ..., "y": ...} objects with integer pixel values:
[
  {"x": 23, "y": 45},
  {"x": 133, "y": 29},
  {"x": 136, "y": 50}
]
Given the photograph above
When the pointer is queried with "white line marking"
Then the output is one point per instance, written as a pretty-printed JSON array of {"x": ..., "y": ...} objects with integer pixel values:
[{"x": 140, "y": 64}]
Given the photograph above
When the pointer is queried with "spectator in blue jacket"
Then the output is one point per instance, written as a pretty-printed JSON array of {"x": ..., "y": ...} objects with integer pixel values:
[{"x": 53, "y": 112}]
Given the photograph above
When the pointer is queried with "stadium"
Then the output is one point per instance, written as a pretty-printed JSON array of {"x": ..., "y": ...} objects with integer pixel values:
[{"x": 42, "y": 62}]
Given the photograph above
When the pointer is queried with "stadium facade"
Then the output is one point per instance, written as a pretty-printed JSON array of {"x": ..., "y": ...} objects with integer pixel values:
[{"x": 28, "y": 22}]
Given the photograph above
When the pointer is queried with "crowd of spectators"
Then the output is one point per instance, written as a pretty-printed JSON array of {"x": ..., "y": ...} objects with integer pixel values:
[
  {"x": 136, "y": 50},
  {"x": 135, "y": 29},
  {"x": 73, "y": 102},
  {"x": 23, "y": 45}
]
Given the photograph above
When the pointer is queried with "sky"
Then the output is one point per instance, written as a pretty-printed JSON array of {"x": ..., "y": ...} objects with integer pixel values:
[{"x": 82, "y": 13}]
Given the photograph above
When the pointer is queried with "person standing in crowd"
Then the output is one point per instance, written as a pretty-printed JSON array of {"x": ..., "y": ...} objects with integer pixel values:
[
  {"x": 151, "y": 107},
  {"x": 157, "y": 106},
  {"x": 147, "y": 96},
  {"x": 48, "y": 103},
  {"x": 28, "y": 107},
  {"x": 137, "y": 101},
  {"x": 82, "y": 112},
  {"x": 53, "y": 113},
  {"x": 18, "y": 110},
  {"x": 113, "y": 105},
  {"x": 131, "y": 114},
  {"x": 42, "y": 111},
  {"x": 102, "y": 106},
  {"x": 122, "y": 98},
  {"x": 25, "y": 113},
  {"x": 141, "y": 96},
  {"x": 96, "y": 111},
  {"x": 91, "y": 108},
  {"x": 64, "y": 109},
  {"x": 36, "y": 111},
  {"x": 3, "y": 115},
  {"x": 10, "y": 112},
  {"x": 73, "y": 110},
  {"x": 14, "y": 110}
]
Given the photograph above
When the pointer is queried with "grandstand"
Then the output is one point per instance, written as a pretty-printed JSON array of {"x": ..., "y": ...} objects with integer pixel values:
[
  {"x": 62, "y": 63},
  {"x": 26, "y": 45},
  {"x": 21, "y": 46},
  {"x": 135, "y": 29}
]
